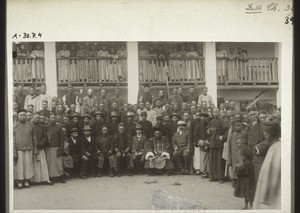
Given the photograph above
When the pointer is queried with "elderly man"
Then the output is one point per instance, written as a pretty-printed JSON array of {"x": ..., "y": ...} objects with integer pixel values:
[
  {"x": 104, "y": 149},
  {"x": 25, "y": 144},
  {"x": 182, "y": 145},
  {"x": 138, "y": 144},
  {"x": 158, "y": 149},
  {"x": 123, "y": 146},
  {"x": 90, "y": 102},
  {"x": 205, "y": 97},
  {"x": 54, "y": 150}
]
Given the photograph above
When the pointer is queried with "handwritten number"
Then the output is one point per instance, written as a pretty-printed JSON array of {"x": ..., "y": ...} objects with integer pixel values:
[
  {"x": 292, "y": 20},
  {"x": 33, "y": 35},
  {"x": 288, "y": 20},
  {"x": 287, "y": 8},
  {"x": 40, "y": 35}
]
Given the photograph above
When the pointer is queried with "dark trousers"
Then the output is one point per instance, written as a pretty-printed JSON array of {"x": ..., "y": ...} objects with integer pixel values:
[
  {"x": 182, "y": 158},
  {"x": 138, "y": 161},
  {"x": 79, "y": 168},
  {"x": 125, "y": 161},
  {"x": 103, "y": 158}
]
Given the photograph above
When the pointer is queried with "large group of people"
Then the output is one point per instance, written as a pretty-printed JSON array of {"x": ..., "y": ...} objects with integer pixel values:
[{"x": 77, "y": 136}]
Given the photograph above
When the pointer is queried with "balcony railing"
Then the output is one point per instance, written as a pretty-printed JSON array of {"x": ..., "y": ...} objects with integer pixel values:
[
  {"x": 91, "y": 69},
  {"x": 28, "y": 70},
  {"x": 250, "y": 70},
  {"x": 178, "y": 69}
]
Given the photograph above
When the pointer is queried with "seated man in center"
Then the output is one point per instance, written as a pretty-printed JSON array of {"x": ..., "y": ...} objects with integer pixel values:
[
  {"x": 181, "y": 144},
  {"x": 157, "y": 151},
  {"x": 138, "y": 144}
]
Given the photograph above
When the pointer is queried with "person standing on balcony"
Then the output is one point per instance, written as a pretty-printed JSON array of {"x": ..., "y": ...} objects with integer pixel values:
[
  {"x": 32, "y": 98},
  {"x": 71, "y": 97},
  {"x": 73, "y": 64},
  {"x": 92, "y": 52},
  {"x": 43, "y": 97},
  {"x": 193, "y": 66},
  {"x": 37, "y": 65},
  {"x": 233, "y": 75},
  {"x": 221, "y": 64},
  {"x": 102, "y": 63},
  {"x": 118, "y": 99},
  {"x": 175, "y": 98},
  {"x": 63, "y": 64},
  {"x": 23, "y": 69},
  {"x": 82, "y": 66},
  {"x": 205, "y": 97},
  {"x": 90, "y": 103},
  {"x": 19, "y": 98}
]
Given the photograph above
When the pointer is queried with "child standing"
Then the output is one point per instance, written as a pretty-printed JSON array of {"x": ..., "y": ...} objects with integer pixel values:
[{"x": 245, "y": 186}]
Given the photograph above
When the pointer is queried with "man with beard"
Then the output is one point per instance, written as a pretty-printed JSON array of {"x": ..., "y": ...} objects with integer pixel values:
[
  {"x": 182, "y": 146},
  {"x": 104, "y": 149},
  {"x": 218, "y": 130},
  {"x": 89, "y": 147},
  {"x": 54, "y": 150},
  {"x": 77, "y": 151},
  {"x": 199, "y": 137},
  {"x": 146, "y": 125},
  {"x": 138, "y": 143},
  {"x": 158, "y": 149},
  {"x": 25, "y": 144},
  {"x": 40, "y": 167},
  {"x": 122, "y": 148}
]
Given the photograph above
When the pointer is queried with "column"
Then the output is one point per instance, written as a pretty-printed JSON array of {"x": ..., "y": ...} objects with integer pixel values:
[
  {"x": 209, "y": 52},
  {"x": 50, "y": 68},
  {"x": 132, "y": 62},
  {"x": 278, "y": 53}
]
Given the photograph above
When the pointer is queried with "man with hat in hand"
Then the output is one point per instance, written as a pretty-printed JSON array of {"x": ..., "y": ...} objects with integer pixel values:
[
  {"x": 113, "y": 124},
  {"x": 138, "y": 143},
  {"x": 25, "y": 144},
  {"x": 54, "y": 149},
  {"x": 104, "y": 149},
  {"x": 122, "y": 148},
  {"x": 78, "y": 153},
  {"x": 158, "y": 149},
  {"x": 181, "y": 144},
  {"x": 89, "y": 146},
  {"x": 146, "y": 125}
]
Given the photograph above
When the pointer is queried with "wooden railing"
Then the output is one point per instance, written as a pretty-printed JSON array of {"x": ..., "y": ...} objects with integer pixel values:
[
  {"x": 91, "y": 69},
  {"x": 255, "y": 70},
  {"x": 178, "y": 69},
  {"x": 28, "y": 70}
]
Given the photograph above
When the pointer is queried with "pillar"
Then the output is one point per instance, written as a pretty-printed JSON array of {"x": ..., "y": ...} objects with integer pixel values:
[
  {"x": 278, "y": 53},
  {"x": 50, "y": 68},
  {"x": 209, "y": 52},
  {"x": 132, "y": 62}
]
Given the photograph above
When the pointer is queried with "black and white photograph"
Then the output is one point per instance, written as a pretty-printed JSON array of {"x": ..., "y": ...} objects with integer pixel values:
[{"x": 164, "y": 122}]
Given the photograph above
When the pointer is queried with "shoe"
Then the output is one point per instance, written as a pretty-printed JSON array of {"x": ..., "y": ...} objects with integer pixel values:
[
  {"x": 83, "y": 177},
  {"x": 26, "y": 185},
  {"x": 197, "y": 173},
  {"x": 20, "y": 186},
  {"x": 49, "y": 183},
  {"x": 204, "y": 175}
]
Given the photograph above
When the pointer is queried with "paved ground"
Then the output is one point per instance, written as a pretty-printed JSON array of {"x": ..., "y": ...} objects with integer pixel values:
[{"x": 125, "y": 192}]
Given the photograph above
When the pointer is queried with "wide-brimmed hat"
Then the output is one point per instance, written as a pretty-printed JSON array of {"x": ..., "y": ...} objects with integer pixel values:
[
  {"x": 86, "y": 116},
  {"x": 99, "y": 113},
  {"x": 138, "y": 126},
  {"x": 87, "y": 128},
  {"x": 156, "y": 128},
  {"x": 181, "y": 123},
  {"x": 75, "y": 114},
  {"x": 74, "y": 129}
]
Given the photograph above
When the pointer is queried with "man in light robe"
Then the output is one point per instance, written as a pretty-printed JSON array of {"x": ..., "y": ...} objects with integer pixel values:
[
  {"x": 25, "y": 144},
  {"x": 32, "y": 98},
  {"x": 204, "y": 97},
  {"x": 90, "y": 103},
  {"x": 43, "y": 97}
]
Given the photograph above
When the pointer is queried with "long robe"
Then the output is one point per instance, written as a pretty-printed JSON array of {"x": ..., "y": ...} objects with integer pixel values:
[{"x": 268, "y": 188}]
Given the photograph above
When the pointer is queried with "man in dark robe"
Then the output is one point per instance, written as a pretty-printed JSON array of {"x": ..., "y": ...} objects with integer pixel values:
[
  {"x": 218, "y": 130},
  {"x": 122, "y": 148},
  {"x": 138, "y": 144},
  {"x": 147, "y": 96},
  {"x": 118, "y": 99},
  {"x": 19, "y": 98},
  {"x": 192, "y": 96},
  {"x": 158, "y": 149},
  {"x": 71, "y": 97},
  {"x": 255, "y": 130},
  {"x": 113, "y": 124},
  {"x": 130, "y": 125},
  {"x": 97, "y": 124},
  {"x": 78, "y": 153},
  {"x": 146, "y": 125}
]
